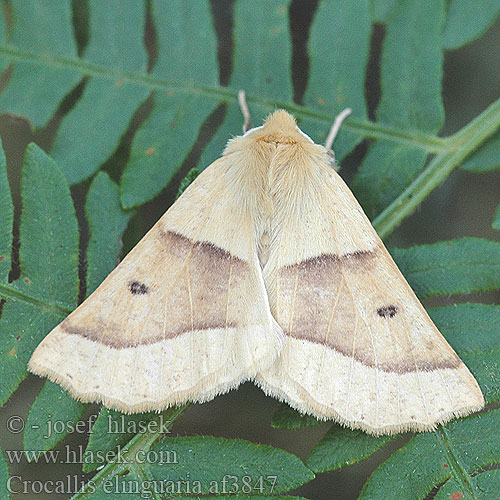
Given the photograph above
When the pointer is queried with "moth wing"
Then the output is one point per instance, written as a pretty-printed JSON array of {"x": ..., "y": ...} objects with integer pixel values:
[
  {"x": 359, "y": 347},
  {"x": 184, "y": 316}
]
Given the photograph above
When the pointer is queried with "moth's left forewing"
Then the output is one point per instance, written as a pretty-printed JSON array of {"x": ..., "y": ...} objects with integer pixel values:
[
  {"x": 359, "y": 348},
  {"x": 184, "y": 317}
]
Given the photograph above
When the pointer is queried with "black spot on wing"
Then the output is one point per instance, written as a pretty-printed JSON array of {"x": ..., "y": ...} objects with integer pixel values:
[
  {"x": 387, "y": 311},
  {"x": 137, "y": 288}
]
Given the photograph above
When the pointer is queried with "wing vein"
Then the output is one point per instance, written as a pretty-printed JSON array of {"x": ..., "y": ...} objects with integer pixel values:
[
  {"x": 375, "y": 358},
  {"x": 351, "y": 371},
  {"x": 334, "y": 309},
  {"x": 176, "y": 277},
  {"x": 335, "y": 231},
  {"x": 228, "y": 292},
  {"x": 190, "y": 295},
  {"x": 132, "y": 382},
  {"x": 410, "y": 344},
  {"x": 387, "y": 326}
]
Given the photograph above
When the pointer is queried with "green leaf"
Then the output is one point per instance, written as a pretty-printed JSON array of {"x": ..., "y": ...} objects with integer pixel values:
[
  {"x": 6, "y": 219},
  {"x": 496, "y": 219},
  {"x": 3, "y": 33},
  {"x": 187, "y": 53},
  {"x": 52, "y": 407},
  {"x": 48, "y": 286},
  {"x": 107, "y": 105},
  {"x": 339, "y": 56},
  {"x": 469, "y": 327},
  {"x": 485, "y": 366},
  {"x": 23, "y": 325},
  {"x": 107, "y": 222},
  {"x": 4, "y": 477},
  {"x": 449, "y": 267},
  {"x": 411, "y": 91},
  {"x": 186, "y": 42},
  {"x": 242, "y": 497},
  {"x": 411, "y": 73},
  {"x": 124, "y": 487},
  {"x": 452, "y": 453},
  {"x": 467, "y": 21},
  {"x": 49, "y": 232},
  {"x": 262, "y": 50},
  {"x": 130, "y": 459},
  {"x": 188, "y": 179},
  {"x": 261, "y": 66},
  {"x": 440, "y": 167},
  {"x": 340, "y": 447},
  {"x": 486, "y": 158},
  {"x": 209, "y": 459},
  {"x": 34, "y": 90},
  {"x": 288, "y": 418},
  {"x": 196, "y": 465},
  {"x": 157, "y": 155},
  {"x": 107, "y": 108},
  {"x": 472, "y": 331},
  {"x": 381, "y": 9},
  {"x": 486, "y": 485},
  {"x": 386, "y": 169},
  {"x": 231, "y": 127},
  {"x": 102, "y": 440}
]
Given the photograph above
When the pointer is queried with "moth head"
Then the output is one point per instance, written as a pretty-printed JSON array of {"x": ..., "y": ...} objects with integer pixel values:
[
  {"x": 281, "y": 121},
  {"x": 279, "y": 127}
]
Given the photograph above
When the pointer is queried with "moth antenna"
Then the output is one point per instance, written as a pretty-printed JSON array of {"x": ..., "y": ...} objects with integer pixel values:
[
  {"x": 334, "y": 129},
  {"x": 247, "y": 119}
]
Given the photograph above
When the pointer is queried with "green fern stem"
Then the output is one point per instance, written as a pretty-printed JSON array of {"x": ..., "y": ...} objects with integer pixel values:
[
  {"x": 458, "y": 470},
  {"x": 365, "y": 128},
  {"x": 138, "y": 443},
  {"x": 459, "y": 145},
  {"x": 7, "y": 291}
]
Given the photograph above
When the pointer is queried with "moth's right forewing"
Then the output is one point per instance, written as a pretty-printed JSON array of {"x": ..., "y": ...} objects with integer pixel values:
[{"x": 359, "y": 347}]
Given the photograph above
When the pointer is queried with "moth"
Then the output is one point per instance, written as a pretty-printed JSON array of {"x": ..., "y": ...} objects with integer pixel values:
[{"x": 265, "y": 269}]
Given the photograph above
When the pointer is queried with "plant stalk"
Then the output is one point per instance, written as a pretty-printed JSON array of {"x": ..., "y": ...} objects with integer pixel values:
[
  {"x": 464, "y": 142},
  {"x": 142, "y": 441}
]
